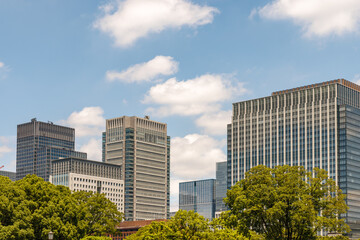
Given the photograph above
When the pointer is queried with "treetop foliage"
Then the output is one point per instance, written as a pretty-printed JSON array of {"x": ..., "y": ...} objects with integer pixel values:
[
  {"x": 30, "y": 208},
  {"x": 286, "y": 203}
]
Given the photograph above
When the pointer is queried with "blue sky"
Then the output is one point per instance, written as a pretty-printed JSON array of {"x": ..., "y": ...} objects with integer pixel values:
[{"x": 181, "y": 62}]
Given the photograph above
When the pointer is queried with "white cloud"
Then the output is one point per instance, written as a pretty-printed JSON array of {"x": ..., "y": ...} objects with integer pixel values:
[
  {"x": 192, "y": 97},
  {"x": 88, "y": 122},
  {"x": 4, "y": 149},
  {"x": 2, "y": 64},
  {"x": 147, "y": 71},
  {"x": 215, "y": 123},
  {"x": 316, "y": 17},
  {"x": 357, "y": 79},
  {"x": 7, "y": 150},
  {"x": 127, "y": 21},
  {"x": 93, "y": 149},
  {"x": 193, "y": 157}
]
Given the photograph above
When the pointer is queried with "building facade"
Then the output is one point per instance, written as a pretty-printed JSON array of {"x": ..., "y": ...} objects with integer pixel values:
[
  {"x": 198, "y": 196},
  {"x": 11, "y": 175},
  {"x": 142, "y": 148},
  {"x": 220, "y": 186},
  {"x": 311, "y": 126},
  {"x": 90, "y": 176},
  {"x": 38, "y": 143}
]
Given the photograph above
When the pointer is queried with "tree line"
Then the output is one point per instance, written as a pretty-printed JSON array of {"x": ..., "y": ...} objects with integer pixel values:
[
  {"x": 282, "y": 203},
  {"x": 30, "y": 208}
]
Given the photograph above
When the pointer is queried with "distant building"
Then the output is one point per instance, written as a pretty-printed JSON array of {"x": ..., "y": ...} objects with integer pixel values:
[
  {"x": 39, "y": 143},
  {"x": 315, "y": 126},
  {"x": 11, "y": 175},
  {"x": 221, "y": 186},
  {"x": 90, "y": 176},
  {"x": 172, "y": 214},
  {"x": 142, "y": 148},
  {"x": 198, "y": 196}
]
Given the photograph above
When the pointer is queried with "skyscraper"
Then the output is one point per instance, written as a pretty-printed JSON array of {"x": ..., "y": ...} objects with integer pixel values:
[
  {"x": 221, "y": 186},
  {"x": 311, "y": 126},
  {"x": 38, "y": 143},
  {"x": 198, "y": 196},
  {"x": 142, "y": 147}
]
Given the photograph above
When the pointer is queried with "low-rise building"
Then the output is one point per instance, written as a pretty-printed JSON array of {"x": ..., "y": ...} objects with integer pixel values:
[
  {"x": 90, "y": 176},
  {"x": 11, "y": 175}
]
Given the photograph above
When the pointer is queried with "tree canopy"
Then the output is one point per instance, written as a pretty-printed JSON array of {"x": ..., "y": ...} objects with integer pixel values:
[
  {"x": 185, "y": 225},
  {"x": 30, "y": 208},
  {"x": 285, "y": 203}
]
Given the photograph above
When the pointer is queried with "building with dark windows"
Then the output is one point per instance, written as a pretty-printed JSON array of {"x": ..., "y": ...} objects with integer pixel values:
[
  {"x": 38, "y": 143},
  {"x": 198, "y": 196},
  {"x": 90, "y": 176},
  {"x": 142, "y": 148},
  {"x": 311, "y": 126},
  {"x": 220, "y": 186},
  {"x": 11, "y": 175}
]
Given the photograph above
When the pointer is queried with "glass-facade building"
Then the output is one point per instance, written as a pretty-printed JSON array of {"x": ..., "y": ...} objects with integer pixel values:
[
  {"x": 38, "y": 143},
  {"x": 311, "y": 126},
  {"x": 198, "y": 196},
  {"x": 220, "y": 186},
  {"x": 141, "y": 146}
]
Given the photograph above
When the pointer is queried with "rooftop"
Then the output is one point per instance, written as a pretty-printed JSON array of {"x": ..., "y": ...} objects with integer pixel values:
[{"x": 339, "y": 81}]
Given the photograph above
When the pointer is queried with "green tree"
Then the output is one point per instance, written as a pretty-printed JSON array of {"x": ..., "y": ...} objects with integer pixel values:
[
  {"x": 185, "y": 225},
  {"x": 285, "y": 203},
  {"x": 96, "y": 238},
  {"x": 30, "y": 208}
]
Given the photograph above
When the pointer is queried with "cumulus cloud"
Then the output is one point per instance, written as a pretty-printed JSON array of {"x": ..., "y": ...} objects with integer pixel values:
[
  {"x": 2, "y": 64},
  {"x": 316, "y": 17},
  {"x": 191, "y": 97},
  {"x": 357, "y": 79},
  {"x": 4, "y": 149},
  {"x": 193, "y": 157},
  {"x": 201, "y": 152},
  {"x": 88, "y": 122},
  {"x": 127, "y": 21},
  {"x": 93, "y": 149},
  {"x": 147, "y": 71},
  {"x": 215, "y": 123}
]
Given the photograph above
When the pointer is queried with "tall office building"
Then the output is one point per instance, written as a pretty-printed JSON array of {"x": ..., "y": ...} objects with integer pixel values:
[
  {"x": 39, "y": 143},
  {"x": 221, "y": 186},
  {"x": 90, "y": 176},
  {"x": 142, "y": 148},
  {"x": 312, "y": 126},
  {"x": 198, "y": 196}
]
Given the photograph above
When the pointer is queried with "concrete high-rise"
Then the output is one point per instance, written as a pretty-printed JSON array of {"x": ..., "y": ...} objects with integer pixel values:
[
  {"x": 38, "y": 143},
  {"x": 9, "y": 174},
  {"x": 311, "y": 126},
  {"x": 142, "y": 148},
  {"x": 90, "y": 176},
  {"x": 198, "y": 196}
]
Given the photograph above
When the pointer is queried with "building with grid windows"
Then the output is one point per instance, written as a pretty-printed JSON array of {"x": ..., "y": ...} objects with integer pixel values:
[
  {"x": 220, "y": 186},
  {"x": 90, "y": 176},
  {"x": 198, "y": 196},
  {"x": 142, "y": 148},
  {"x": 311, "y": 126},
  {"x": 11, "y": 175},
  {"x": 38, "y": 143}
]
